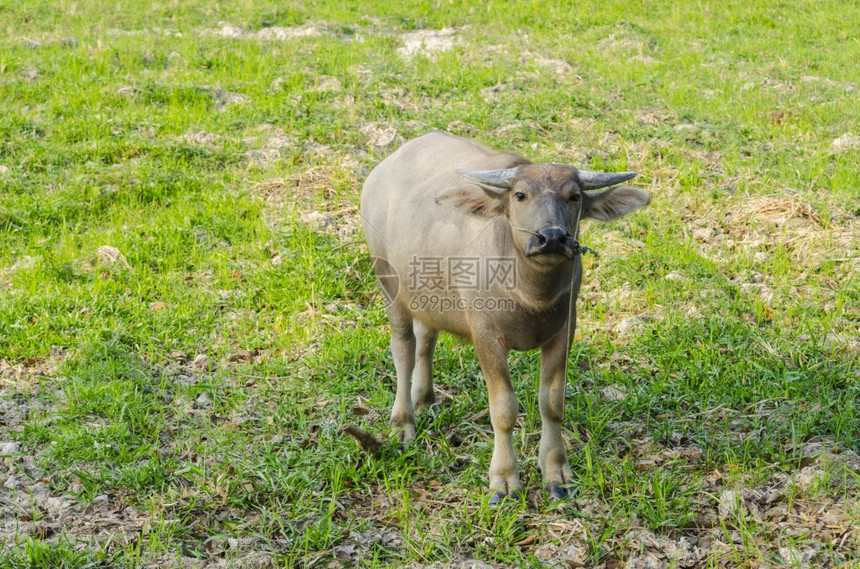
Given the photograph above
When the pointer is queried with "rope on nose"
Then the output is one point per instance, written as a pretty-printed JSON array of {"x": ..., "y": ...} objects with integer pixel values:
[{"x": 577, "y": 248}]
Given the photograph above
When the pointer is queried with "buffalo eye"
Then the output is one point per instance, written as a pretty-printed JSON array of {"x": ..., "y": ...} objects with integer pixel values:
[
  {"x": 520, "y": 196},
  {"x": 574, "y": 197}
]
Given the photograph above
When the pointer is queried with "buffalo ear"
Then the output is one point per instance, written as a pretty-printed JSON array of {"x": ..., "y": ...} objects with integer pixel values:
[
  {"x": 483, "y": 201},
  {"x": 614, "y": 202}
]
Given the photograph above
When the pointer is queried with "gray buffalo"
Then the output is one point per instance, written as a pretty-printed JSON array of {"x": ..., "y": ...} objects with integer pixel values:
[{"x": 483, "y": 244}]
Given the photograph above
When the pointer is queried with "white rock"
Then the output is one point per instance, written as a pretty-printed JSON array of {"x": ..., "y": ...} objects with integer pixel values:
[
  {"x": 40, "y": 489},
  {"x": 111, "y": 256},
  {"x": 203, "y": 401},
  {"x": 730, "y": 502},
  {"x": 202, "y": 363},
  {"x": 794, "y": 557},
  {"x": 614, "y": 393},
  {"x": 56, "y": 506},
  {"x": 316, "y": 219},
  {"x": 631, "y": 325},
  {"x": 9, "y": 448},
  {"x": 808, "y": 476}
]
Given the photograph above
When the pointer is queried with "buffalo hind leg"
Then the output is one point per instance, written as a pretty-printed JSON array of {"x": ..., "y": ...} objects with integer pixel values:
[
  {"x": 403, "y": 352},
  {"x": 422, "y": 375}
]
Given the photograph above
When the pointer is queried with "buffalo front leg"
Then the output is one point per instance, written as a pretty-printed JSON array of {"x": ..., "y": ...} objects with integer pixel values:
[
  {"x": 403, "y": 352},
  {"x": 504, "y": 474},
  {"x": 552, "y": 459}
]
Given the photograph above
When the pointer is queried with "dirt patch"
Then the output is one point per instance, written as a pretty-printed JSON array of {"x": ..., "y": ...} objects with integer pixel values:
[
  {"x": 33, "y": 502},
  {"x": 31, "y": 508},
  {"x": 326, "y": 83},
  {"x": 201, "y": 138},
  {"x": 555, "y": 66},
  {"x": 281, "y": 34},
  {"x": 762, "y": 225},
  {"x": 846, "y": 142},
  {"x": 427, "y": 42},
  {"x": 313, "y": 193},
  {"x": 777, "y": 211},
  {"x": 650, "y": 117},
  {"x": 266, "y": 34},
  {"x": 847, "y": 87},
  {"x": 379, "y": 135},
  {"x": 626, "y": 43}
]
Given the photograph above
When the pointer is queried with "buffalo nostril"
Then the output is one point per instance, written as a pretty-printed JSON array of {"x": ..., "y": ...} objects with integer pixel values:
[{"x": 552, "y": 235}]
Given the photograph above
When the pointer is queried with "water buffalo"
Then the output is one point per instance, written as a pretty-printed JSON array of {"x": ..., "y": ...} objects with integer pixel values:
[{"x": 483, "y": 244}]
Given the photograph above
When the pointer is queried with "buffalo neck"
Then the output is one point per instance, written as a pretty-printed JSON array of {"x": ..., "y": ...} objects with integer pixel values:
[{"x": 544, "y": 286}]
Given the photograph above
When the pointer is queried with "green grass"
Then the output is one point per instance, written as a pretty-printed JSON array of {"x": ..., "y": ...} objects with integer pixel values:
[{"x": 193, "y": 393}]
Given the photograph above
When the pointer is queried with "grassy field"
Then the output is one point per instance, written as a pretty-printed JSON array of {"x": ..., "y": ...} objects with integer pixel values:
[{"x": 188, "y": 314}]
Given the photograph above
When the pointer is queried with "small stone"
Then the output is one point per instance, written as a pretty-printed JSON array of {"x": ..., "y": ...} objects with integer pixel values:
[
  {"x": 674, "y": 276},
  {"x": 202, "y": 363},
  {"x": 316, "y": 219},
  {"x": 632, "y": 325},
  {"x": 111, "y": 256},
  {"x": 808, "y": 476},
  {"x": 703, "y": 233},
  {"x": 614, "y": 393},
  {"x": 794, "y": 557},
  {"x": 4, "y": 169},
  {"x": 11, "y": 483},
  {"x": 729, "y": 503},
  {"x": 203, "y": 401},
  {"x": 40, "y": 489},
  {"x": 379, "y": 135},
  {"x": 56, "y": 506},
  {"x": 9, "y": 448}
]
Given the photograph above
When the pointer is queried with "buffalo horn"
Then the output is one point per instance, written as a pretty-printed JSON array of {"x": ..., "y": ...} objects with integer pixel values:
[
  {"x": 497, "y": 178},
  {"x": 589, "y": 180}
]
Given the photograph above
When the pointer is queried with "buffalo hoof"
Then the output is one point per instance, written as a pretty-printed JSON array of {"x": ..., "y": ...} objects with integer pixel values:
[
  {"x": 404, "y": 434},
  {"x": 558, "y": 491},
  {"x": 500, "y": 497}
]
